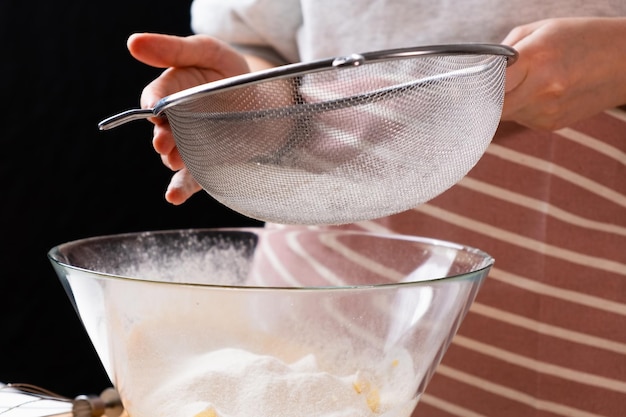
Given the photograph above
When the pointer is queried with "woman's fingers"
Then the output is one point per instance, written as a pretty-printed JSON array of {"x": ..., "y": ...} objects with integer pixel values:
[
  {"x": 181, "y": 187},
  {"x": 190, "y": 61},
  {"x": 568, "y": 69},
  {"x": 200, "y": 51},
  {"x": 163, "y": 139}
]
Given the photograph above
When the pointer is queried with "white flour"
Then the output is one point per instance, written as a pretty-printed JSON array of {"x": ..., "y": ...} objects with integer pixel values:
[{"x": 237, "y": 383}]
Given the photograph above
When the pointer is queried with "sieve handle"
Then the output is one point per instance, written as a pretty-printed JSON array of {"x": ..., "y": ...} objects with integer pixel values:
[{"x": 124, "y": 117}]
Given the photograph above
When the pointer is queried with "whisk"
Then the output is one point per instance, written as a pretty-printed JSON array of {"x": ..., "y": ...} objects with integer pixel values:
[
  {"x": 343, "y": 139},
  {"x": 26, "y": 400}
]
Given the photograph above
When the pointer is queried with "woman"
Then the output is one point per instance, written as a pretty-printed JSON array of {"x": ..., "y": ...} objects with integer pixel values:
[{"x": 547, "y": 334}]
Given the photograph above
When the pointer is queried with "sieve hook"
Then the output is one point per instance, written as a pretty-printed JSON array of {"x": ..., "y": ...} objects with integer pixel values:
[
  {"x": 127, "y": 116},
  {"x": 349, "y": 60}
]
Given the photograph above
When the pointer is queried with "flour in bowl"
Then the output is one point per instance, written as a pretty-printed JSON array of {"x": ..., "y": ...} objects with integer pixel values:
[{"x": 237, "y": 383}]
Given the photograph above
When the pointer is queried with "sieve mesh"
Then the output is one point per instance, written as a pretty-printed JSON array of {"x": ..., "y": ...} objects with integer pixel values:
[{"x": 339, "y": 146}]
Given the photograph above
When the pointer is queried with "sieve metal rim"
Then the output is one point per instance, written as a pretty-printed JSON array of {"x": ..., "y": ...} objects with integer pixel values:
[{"x": 302, "y": 68}]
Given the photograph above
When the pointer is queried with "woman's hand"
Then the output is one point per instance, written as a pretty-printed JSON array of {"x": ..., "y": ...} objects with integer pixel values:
[
  {"x": 568, "y": 69},
  {"x": 190, "y": 61}
]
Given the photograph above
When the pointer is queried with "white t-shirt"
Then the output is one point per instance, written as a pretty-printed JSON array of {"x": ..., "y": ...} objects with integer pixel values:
[{"x": 303, "y": 30}]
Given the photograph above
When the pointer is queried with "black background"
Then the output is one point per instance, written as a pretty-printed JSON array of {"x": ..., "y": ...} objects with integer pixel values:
[{"x": 65, "y": 67}]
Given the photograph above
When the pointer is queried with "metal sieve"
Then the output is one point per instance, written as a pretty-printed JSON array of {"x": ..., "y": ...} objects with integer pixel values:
[{"x": 342, "y": 139}]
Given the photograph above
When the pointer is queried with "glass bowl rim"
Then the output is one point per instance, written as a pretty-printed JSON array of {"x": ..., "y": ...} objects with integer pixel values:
[{"x": 488, "y": 260}]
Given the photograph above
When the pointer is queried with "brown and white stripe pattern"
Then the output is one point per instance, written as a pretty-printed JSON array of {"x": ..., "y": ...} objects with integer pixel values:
[{"x": 547, "y": 334}]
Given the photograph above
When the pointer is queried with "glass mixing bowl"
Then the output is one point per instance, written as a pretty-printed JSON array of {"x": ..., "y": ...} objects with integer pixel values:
[{"x": 269, "y": 322}]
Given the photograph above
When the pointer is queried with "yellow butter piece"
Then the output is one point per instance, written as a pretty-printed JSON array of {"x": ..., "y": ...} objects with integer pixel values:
[
  {"x": 209, "y": 412},
  {"x": 373, "y": 400}
]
